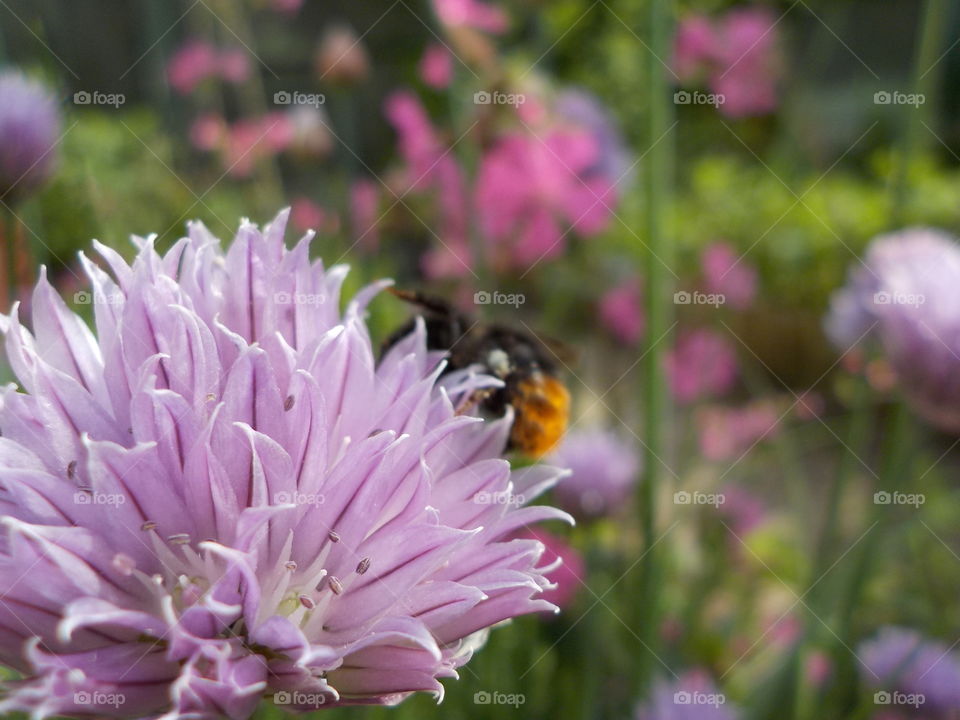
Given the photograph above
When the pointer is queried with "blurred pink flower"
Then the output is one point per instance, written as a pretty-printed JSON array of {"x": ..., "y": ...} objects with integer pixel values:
[
  {"x": 726, "y": 433},
  {"x": 364, "y": 209},
  {"x": 432, "y": 167},
  {"x": 208, "y": 132},
  {"x": 694, "y": 47},
  {"x": 530, "y": 188},
  {"x": 724, "y": 272},
  {"x": 471, "y": 13},
  {"x": 561, "y": 564},
  {"x": 748, "y": 62},
  {"x": 738, "y": 54},
  {"x": 234, "y": 65},
  {"x": 198, "y": 60},
  {"x": 306, "y": 215},
  {"x": 341, "y": 56},
  {"x": 621, "y": 311},
  {"x": 702, "y": 364},
  {"x": 194, "y": 62},
  {"x": 436, "y": 66},
  {"x": 251, "y": 140},
  {"x": 818, "y": 668}
]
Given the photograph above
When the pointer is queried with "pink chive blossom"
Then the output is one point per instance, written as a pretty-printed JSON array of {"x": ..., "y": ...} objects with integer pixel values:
[
  {"x": 728, "y": 274},
  {"x": 436, "y": 66},
  {"x": 726, "y": 433},
  {"x": 432, "y": 168},
  {"x": 701, "y": 365},
  {"x": 251, "y": 140},
  {"x": 198, "y": 60},
  {"x": 208, "y": 132},
  {"x": 737, "y": 54},
  {"x": 531, "y": 190},
  {"x": 471, "y": 13},
  {"x": 220, "y": 494},
  {"x": 621, "y": 311},
  {"x": 562, "y": 565}
]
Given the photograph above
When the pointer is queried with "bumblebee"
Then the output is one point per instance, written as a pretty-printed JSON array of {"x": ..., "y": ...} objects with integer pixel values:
[{"x": 540, "y": 401}]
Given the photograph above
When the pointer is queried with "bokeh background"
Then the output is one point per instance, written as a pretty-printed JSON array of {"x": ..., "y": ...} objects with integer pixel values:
[{"x": 667, "y": 195}]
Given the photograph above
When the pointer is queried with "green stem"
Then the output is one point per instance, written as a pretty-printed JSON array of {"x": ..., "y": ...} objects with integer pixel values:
[{"x": 657, "y": 174}]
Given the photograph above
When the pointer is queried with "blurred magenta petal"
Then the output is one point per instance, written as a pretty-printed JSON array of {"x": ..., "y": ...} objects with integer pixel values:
[
  {"x": 695, "y": 47},
  {"x": 728, "y": 274},
  {"x": 471, "y": 13},
  {"x": 436, "y": 66},
  {"x": 221, "y": 494},
  {"x": 621, "y": 311},
  {"x": 195, "y": 61},
  {"x": 702, "y": 364}
]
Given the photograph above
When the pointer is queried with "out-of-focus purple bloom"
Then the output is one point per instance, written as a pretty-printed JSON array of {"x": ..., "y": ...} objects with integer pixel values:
[
  {"x": 221, "y": 494},
  {"x": 364, "y": 213},
  {"x": 701, "y": 365},
  {"x": 472, "y": 14},
  {"x": 29, "y": 128},
  {"x": 562, "y": 565},
  {"x": 901, "y": 659},
  {"x": 604, "y": 466},
  {"x": 621, "y": 312},
  {"x": 585, "y": 110},
  {"x": 530, "y": 188},
  {"x": 906, "y": 293},
  {"x": 726, "y": 273},
  {"x": 738, "y": 55},
  {"x": 726, "y": 433},
  {"x": 692, "y": 697},
  {"x": 436, "y": 66}
]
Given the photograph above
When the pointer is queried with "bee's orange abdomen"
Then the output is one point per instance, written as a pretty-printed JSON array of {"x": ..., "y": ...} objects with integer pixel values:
[{"x": 542, "y": 406}]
